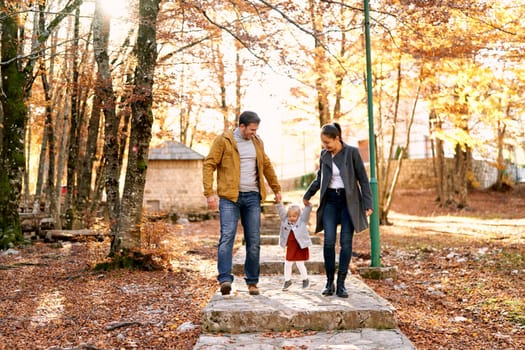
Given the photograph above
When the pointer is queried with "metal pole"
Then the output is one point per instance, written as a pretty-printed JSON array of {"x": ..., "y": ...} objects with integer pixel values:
[{"x": 374, "y": 219}]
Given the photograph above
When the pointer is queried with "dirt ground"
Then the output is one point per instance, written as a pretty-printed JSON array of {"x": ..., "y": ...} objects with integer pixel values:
[
  {"x": 484, "y": 204},
  {"x": 461, "y": 273},
  {"x": 460, "y": 283}
]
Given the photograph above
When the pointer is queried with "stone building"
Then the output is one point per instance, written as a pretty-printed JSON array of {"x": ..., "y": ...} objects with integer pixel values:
[{"x": 174, "y": 180}]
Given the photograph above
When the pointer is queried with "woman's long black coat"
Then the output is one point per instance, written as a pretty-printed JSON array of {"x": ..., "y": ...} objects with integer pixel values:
[{"x": 356, "y": 184}]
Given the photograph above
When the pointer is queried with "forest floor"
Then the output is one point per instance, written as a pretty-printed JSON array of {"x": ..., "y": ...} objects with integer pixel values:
[{"x": 460, "y": 285}]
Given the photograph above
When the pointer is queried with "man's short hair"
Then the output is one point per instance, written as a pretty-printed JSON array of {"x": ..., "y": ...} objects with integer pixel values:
[{"x": 248, "y": 117}]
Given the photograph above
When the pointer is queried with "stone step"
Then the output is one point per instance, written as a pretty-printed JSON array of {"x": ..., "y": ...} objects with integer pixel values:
[
  {"x": 275, "y": 310},
  {"x": 362, "y": 339},
  {"x": 270, "y": 226},
  {"x": 272, "y": 260},
  {"x": 269, "y": 209},
  {"x": 274, "y": 239},
  {"x": 265, "y": 231}
]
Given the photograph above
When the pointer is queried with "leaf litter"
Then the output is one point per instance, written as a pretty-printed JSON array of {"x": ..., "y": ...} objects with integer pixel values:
[{"x": 458, "y": 286}]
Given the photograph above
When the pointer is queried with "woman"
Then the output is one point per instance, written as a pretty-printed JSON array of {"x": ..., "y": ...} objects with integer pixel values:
[{"x": 345, "y": 200}]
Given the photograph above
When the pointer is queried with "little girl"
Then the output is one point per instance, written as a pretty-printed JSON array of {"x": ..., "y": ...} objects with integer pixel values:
[{"x": 295, "y": 238}]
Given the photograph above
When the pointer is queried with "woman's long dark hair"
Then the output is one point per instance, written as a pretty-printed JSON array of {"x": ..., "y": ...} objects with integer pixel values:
[{"x": 332, "y": 130}]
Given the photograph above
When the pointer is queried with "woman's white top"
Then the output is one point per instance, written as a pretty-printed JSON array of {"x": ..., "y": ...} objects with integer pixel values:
[{"x": 336, "y": 181}]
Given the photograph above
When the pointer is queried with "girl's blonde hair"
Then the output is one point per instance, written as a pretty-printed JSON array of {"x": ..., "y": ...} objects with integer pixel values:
[{"x": 294, "y": 208}]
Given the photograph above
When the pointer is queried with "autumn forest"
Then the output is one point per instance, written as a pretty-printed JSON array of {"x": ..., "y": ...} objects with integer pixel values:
[{"x": 89, "y": 85}]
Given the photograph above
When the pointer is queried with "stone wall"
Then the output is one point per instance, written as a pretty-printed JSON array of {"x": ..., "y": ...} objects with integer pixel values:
[
  {"x": 415, "y": 174},
  {"x": 174, "y": 186},
  {"x": 419, "y": 174}
]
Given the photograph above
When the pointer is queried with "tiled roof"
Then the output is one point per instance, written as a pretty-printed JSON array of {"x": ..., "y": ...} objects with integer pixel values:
[{"x": 173, "y": 150}]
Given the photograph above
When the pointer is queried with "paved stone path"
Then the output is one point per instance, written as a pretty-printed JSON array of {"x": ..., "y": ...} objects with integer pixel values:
[
  {"x": 298, "y": 319},
  {"x": 359, "y": 339}
]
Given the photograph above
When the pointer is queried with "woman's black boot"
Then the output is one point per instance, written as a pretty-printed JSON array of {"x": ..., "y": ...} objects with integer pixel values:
[
  {"x": 330, "y": 288},
  {"x": 341, "y": 290}
]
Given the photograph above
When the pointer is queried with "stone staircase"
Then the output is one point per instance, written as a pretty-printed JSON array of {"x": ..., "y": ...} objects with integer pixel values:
[{"x": 296, "y": 318}]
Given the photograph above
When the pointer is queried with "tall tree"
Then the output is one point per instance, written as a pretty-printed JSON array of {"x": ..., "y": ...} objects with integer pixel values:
[
  {"x": 13, "y": 115},
  {"x": 320, "y": 60},
  {"x": 17, "y": 80},
  {"x": 74, "y": 130},
  {"x": 130, "y": 218},
  {"x": 112, "y": 168},
  {"x": 448, "y": 39}
]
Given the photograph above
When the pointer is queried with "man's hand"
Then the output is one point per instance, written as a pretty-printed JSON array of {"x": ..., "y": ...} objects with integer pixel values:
[
  {"x": 278, "y": 197},
  {"x": 212, "y": 202}
]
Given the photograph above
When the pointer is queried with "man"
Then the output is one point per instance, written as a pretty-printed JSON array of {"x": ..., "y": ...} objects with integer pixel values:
[{"x": 240, "y": 161}]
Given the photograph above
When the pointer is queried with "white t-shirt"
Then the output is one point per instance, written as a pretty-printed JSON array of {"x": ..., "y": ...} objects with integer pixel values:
[
  {"x": 248, "y": 180},
  {"x": 336, "y": 181}
]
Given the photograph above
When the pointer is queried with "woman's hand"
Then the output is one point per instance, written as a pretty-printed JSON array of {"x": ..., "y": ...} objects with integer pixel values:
[{"x": 369, "y": 212}]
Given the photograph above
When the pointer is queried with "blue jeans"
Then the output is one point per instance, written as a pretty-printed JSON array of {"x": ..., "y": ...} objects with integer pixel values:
[
  {"x": 335, "y": 212},
  {"x": 248, "y": 208}
]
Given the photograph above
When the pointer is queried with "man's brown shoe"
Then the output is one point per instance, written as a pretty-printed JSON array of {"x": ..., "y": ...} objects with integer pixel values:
[
  {"x": 226, "y": 287},
  {"x": 253, "y": 290}
]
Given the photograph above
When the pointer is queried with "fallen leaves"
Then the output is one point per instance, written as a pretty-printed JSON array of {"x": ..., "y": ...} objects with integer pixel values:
[
  {"x": 459, "y": 290},
  {"x": 459, "y": 287},
  {"x": 64, "y": 304}
]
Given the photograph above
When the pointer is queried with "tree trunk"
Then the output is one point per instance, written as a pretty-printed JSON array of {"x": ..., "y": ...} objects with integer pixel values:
[
  {"x": 74, "y": 135},
  {"x": 38, "y": 27},
  {"x": 86, "y": 170},
  {"x": 96, "y": 195},
  {"x": 441, "y": 171},
  {"x": 24, "y": 206},
  {"x": 16, "y": 85},
  {"x": 42, "y": 161},
  {"x": 462, "y": 159},
  {"x": 500, "y": 161},
  {"x": 239, "y": 72},
  {"x": 339, "y": 71},
  {"x": 385, "y": 185},
  {"x": 319, "y": 64},
  {"x": 101, "y": 28},
  {"x": 443, "y": 181},
  {"x": 388, "y": 200},
  {"x": 219, "y": 68},
  {"x": 61, "y": 128},
  {"x": 461, "y": 176},
  {"x": 50, "y": 137},
  {"x": 124, "y": 116},
  {"x": 49, "y": 134},
  {"x": 13, "y": 117},
  {"x": 89, "y": 190},
  {"x": 141, "y": 123}
]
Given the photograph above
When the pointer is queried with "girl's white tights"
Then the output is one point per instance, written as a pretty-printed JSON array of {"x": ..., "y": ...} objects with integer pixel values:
[{"x": 288, "y": 269}]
